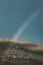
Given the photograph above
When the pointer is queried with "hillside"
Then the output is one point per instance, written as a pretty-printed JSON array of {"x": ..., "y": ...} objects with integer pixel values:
[{"x": 22, "y": 48}]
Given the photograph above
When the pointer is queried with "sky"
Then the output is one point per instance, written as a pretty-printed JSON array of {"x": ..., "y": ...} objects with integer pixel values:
[{"x": 14, "y": 14}]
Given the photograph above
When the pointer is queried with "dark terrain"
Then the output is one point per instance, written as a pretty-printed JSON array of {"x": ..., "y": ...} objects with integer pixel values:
[{"x": 20, "y": 48}]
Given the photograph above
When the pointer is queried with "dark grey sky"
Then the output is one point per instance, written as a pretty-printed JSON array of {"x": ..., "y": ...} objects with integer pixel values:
[{"x": 13, "y": 13}]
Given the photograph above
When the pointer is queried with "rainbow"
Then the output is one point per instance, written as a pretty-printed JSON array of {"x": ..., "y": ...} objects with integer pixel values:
[{"x": 27, "y": 22}]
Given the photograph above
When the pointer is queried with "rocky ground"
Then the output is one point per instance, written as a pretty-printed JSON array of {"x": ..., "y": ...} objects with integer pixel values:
[{"x": 11, "y": 47}]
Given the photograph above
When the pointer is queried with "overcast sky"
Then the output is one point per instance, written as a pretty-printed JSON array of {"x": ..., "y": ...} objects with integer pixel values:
[{"x": 14, "y": 13}]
